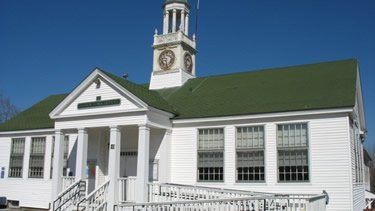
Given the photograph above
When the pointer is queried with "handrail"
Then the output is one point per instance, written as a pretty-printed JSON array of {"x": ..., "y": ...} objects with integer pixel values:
[
  {"x": 95, "y": 191},
  {"x": 264, "y": 202},
  {"x": 224, "y": 190},
  {"x": 68, "y": 194},
  {"x": 79, "y": 203},
  {"x": 98, "y": 195},
  {"x": 176, "y": 192},
  {"x": 216, "y": 200},
  {"x": 67, "y": 181}
]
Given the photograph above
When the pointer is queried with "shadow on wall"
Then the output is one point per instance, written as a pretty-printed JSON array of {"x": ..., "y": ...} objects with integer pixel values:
[{"x": 72, "y": 159}]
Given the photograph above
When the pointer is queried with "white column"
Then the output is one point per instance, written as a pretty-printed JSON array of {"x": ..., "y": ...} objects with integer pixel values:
[
  {"x": 174, "y": 21},
  {"x": 187, "y": 24},
  {"x": 167, "y": 22},
  {"x": 114, "y": 166},
  {"x": 143, "y": 163},
  {"x": 58, "y": 158},
  {"x": 182, "y": 20},
  {"x": 81, "y": 160}
]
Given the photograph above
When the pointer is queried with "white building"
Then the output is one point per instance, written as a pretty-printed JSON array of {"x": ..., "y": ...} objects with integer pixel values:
[{"x": 280, "y": 137}]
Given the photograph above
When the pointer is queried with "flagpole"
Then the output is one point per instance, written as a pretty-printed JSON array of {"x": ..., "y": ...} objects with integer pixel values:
[{"x": 196, "y": 19}]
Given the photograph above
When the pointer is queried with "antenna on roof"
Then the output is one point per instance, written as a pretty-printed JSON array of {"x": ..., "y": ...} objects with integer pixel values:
[{"x": 196, "y": 19}]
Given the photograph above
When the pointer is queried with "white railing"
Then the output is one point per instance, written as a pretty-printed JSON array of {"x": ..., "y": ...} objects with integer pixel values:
[
  {"x": 97, "y": 200},
  {"x": 175, "y": 192},
  {"x": 70, "y": 196},
  {"x": 67, "y": 181},
  {"x": 255, "y": 203},
  {"x": 127, "y": 189}
]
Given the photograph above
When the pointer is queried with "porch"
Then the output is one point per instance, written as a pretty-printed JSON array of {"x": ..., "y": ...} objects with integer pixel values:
[{"x": 103, "y": 154}]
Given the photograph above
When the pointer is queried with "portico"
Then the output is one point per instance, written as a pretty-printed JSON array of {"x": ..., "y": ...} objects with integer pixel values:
[
  {"x": 108, "y": 153},
  {"x": 117, "y": 135}
]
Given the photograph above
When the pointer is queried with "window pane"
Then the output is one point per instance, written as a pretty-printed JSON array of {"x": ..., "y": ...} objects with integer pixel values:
[
  {"x": 293, "y": 165},
  {"x": 210, "y": 154},
  {"x": 292, "y": 135},
  {"x": 250, "y": 166},
  {"x": 36, "y": 163},
  {"x": 250, "y": 137},
  {"x": 250, "y": 153},
  {"x": 211, "y": 139},
  {"x": 16, "y": 157}
]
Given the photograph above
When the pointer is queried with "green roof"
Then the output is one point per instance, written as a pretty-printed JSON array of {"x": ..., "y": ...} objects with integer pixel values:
[
  {"x": 36, "y": 117},
  {"x": 150, "y": 97},
  {"x": 305, "y": 87}
]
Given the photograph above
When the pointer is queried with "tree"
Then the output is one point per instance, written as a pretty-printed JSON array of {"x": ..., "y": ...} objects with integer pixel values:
[{"x": 7, "y": 109}]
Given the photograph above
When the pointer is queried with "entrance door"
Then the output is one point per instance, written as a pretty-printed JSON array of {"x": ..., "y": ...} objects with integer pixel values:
[{"x": 128, "y": 163}]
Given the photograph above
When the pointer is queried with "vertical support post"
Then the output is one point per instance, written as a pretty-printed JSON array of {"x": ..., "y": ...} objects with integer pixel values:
[
  {"x": 81, "y": 162},
  {"x": 114, "y": 166},
  {"x": 174, "y": 21},
  {"x": 143, "y": 163},
  {"x": 182, "y": 21},
  {"x": 187, "y": 24},
  {"x": 58, "y": 158},
  {"x": 167, "y": 22}
]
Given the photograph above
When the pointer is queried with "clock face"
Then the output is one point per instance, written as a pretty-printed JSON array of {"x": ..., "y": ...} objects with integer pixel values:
[
  {"x": 166, "y": 59},
  {"x": 188, "y": 61}
]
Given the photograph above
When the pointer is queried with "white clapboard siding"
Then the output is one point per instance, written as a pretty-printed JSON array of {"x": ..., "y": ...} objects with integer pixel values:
[
  {"x": 5, "y": 145},
  {"x": 358, "y": 197},
  {"x": 174, "y": 79},
  {"x": 106, "y": 92},
  {"x": 29, "y": 192},
  {"x": 328, "y": 157}
]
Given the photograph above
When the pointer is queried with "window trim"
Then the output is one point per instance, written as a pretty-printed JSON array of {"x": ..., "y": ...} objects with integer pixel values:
[
  {"x": 308, "y": 148},
  {"x": 250, "y": 150},
  {"x": 23, "y": 157},
  {"x": 214, "y": 150},
  {"x": 44, "y": 157}
]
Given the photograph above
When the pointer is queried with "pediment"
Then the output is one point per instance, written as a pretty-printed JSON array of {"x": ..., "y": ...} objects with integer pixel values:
[{"x": 97, "y": 95}]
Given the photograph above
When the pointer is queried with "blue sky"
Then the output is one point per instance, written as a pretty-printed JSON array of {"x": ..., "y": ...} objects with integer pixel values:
[{"x": 47, "y": 47}]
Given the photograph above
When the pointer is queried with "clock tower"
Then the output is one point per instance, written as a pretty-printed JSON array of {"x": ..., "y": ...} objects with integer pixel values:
[{"x": 174, "y": 50}]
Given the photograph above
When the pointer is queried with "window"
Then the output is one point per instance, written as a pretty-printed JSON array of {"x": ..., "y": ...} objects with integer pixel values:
[
  {"x": 36, "y": 165},
  {"x": 292, "y": 148},
  {"x": 2, "y": 173},
  {"x": 357, "y": 149},
  {"x": 16, "y": 157},
  {"x": 154, "y": 170},
  {"x": 250, "y": 154},
  {"x": 211, "y": 155}
]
